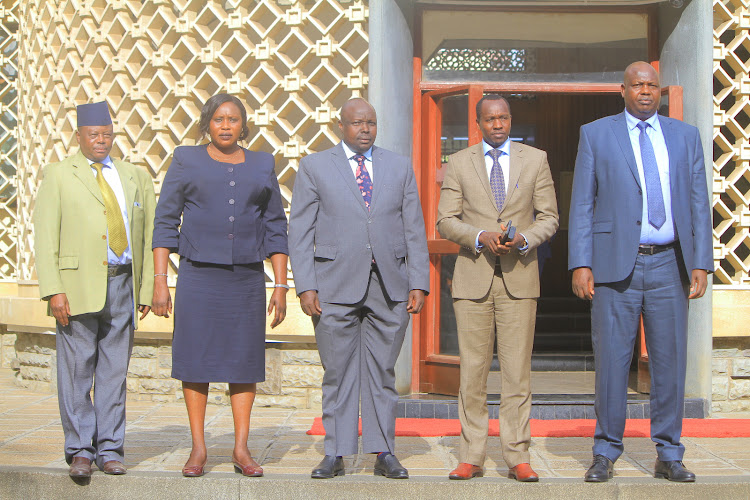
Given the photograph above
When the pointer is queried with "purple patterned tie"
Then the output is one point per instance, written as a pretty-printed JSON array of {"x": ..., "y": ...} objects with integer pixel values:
[
  {"x": 497, "y": 180},
  {"x": 363, "y": 180}
]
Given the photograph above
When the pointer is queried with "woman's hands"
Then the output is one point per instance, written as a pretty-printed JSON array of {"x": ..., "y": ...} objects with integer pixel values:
[{"x": 277, "y": 306}]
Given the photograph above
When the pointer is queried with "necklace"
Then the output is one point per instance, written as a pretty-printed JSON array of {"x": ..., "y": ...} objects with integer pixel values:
[{"x": 237, "y": 157}]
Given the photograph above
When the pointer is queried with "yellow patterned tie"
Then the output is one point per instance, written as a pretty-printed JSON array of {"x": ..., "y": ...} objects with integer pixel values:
[{"x": 118, "y": 239}]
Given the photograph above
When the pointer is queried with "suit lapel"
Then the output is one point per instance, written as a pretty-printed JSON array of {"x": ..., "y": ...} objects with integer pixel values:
[
  {"x": 128, "y": 186},
  {"x": 672, "y": 149},
  {"x": 82, "y": 170},
  {"x": 341, "y": 162},
  {"x": 477, "y": 160},
  {"x": 516, "y": 164},
  {"x": 620, "y": 128},
  {"x": 377, "y": 157}
]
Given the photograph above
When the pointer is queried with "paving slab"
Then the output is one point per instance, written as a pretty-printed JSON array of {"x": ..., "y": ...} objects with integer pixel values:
[{"x": 158, "y": 444}]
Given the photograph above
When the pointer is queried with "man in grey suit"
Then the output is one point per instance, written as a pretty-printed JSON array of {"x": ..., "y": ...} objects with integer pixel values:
[
  {"x": 359, "y": 256},
  {"x": 640, "y": 244}
]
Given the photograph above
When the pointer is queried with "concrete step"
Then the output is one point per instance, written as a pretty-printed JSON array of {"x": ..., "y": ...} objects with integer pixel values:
[
  {"x": 26, "y": 483},
  {"x": 543, "y": 406}
]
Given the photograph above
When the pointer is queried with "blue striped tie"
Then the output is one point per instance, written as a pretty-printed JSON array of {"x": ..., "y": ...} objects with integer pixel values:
[{"x": 657, "y": 216}]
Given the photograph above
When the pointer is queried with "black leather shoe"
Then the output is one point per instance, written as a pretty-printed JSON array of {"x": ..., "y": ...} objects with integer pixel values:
[
  {"x": 600, "y": 471},
  {"x": 329, "y": 467},
  {"x": 673, "y": 470},
  {"x": 388, "y": 465}
]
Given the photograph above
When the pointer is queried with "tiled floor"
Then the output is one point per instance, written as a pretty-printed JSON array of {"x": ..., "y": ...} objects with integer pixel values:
[{"x": 158, "y": 439}]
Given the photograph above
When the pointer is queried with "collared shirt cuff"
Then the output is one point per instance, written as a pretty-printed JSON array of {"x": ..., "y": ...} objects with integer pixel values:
[
  {"x": 525, "y": 247},
  {"x": 477, "y": 246}
]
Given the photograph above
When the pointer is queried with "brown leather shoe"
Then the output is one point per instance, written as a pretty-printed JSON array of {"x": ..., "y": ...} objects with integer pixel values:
[
  {"x": 250, "y": 469},
  {"x": 466, "y": 471},
  {"x": 80, "y": 468},
  {"x": 194, "y": 470},
  {"x": 114, "y": 467},
  {"x": 523, "y": 473}
]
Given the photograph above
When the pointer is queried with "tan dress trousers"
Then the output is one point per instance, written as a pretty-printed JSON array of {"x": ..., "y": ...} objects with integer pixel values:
[{"x": 478, "y": 320}]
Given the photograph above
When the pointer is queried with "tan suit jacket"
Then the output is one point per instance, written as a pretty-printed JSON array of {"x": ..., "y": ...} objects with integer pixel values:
[
  {"x": 70, "y": 229},
  {"x": 468, "y": 206}
]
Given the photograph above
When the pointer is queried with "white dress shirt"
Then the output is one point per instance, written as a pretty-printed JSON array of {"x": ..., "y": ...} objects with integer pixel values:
[
  {"x": 113, "y": 179},
  {"x": 649, "y": 234},
  {"x": 353, "y": 163}
]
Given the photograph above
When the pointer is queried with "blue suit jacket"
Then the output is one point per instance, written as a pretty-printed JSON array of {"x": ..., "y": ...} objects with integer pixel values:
[
  {"x": 607, "y": 201},
  {"x": 231, "y": 214}
]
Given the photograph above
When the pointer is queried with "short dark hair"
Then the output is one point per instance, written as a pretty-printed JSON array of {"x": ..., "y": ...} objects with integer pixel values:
[
  {"x": 213, "y": 103},
  {"x": 490, "y": 97}
]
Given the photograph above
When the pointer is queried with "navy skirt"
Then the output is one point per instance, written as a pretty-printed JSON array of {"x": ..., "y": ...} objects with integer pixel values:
[{"x": 219, "y": 323}]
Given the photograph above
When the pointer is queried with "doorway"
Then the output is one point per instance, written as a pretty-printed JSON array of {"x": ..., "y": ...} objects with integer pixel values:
[{"x": 548, "y": 118}]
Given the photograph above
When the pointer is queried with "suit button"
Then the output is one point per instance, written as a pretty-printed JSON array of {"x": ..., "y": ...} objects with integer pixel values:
[
  {"x": 231, "y": 202},
  {"x": 638, "y": 222},
  {"x": 499, "y": 219},
  {"x": 231, "y": 183},
  {"x": 369, "y": 221},
  {"x": 104, "y": 236},
  {"x": 105, "y": 263},
  {"x": 368, "y": 246},
  {"x": 230, "y": 169},
  {"x": 231, "y": 236},
  {"x": 105, "y": 212},
  {"x": 231, "y": 218}
]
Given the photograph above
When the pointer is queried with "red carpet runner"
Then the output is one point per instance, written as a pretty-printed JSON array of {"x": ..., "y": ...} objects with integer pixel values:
[{"x": 694, "y": 427}]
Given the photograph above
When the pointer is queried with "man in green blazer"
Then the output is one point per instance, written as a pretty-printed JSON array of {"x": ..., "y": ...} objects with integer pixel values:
[{"x": 93, "y": 225}]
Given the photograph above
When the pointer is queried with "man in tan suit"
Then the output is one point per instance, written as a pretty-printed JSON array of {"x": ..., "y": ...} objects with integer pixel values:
[
  {"x": 496, "y": 282},
  {"x": 93, "y": 224}
]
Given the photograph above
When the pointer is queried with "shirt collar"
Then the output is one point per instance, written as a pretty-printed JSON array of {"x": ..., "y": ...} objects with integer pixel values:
[
  {"x": 350, "y": 154},
  {"x": 632, "y": 121},
  {"x": 107, "y": 162},
  {"x": 504, "y": 147}
]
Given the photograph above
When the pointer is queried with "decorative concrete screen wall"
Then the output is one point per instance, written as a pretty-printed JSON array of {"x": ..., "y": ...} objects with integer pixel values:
[
  {"x": 294, "y": 63},
  {"x": 8, "y": 136},
  {"x": 731, "y": 186}
]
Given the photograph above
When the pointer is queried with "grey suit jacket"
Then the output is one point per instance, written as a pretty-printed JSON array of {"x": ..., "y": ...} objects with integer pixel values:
[
  {"x": 607, "y": 201},
  {"x": 333, "y": 239}
]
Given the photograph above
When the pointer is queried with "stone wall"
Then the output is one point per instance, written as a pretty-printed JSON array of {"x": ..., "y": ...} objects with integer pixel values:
[
  {"x": 293, "y": 371},
  {"x": 731, "y": 374}
]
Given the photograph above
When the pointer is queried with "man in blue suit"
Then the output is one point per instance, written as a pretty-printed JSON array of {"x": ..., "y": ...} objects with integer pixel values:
[{"x": 639, "y": 243}]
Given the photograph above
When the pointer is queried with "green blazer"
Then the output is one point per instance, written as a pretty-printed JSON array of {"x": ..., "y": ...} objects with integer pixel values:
[{"x": 70, "y": 229}]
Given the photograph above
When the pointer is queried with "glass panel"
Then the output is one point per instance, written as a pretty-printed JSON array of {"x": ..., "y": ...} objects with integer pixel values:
[
  {"x": 448, "y": 330},
  {"x": 532, "y": 46},
  {"x": 454, "y": 136}
]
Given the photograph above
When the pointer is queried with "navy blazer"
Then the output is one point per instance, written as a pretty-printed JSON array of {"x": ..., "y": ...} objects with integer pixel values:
[
  {"x": 231, "y": 213},
  {"x": 607, "y": 201}
]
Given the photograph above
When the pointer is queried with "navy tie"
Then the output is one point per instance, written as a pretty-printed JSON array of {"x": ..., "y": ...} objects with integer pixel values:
[
  {"x": 657, "y": 216},
  {"x": 497, "y": 180},
  {"x": 363, "y": 180}
]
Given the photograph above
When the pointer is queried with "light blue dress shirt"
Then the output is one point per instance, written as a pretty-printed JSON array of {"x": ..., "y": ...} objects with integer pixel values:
[
  {"x": 649, "y": 234},
  {"x": 113, "y": 179}
]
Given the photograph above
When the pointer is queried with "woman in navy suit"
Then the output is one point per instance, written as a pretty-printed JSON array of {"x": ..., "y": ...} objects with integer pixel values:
[{"x": 220, "y": 209}]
